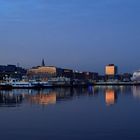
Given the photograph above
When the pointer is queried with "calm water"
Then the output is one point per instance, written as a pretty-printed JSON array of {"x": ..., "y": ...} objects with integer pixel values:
[{"x": 94, "y": 113}]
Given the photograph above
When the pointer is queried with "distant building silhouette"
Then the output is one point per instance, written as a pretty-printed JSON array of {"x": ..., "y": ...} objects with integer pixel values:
[
  {"x": 43, "y": 63},
  {"x": 11, "y": 71}
]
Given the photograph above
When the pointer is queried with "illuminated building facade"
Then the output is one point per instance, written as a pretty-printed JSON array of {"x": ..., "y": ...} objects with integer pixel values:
[
  {"x": 111, "y": 70},
  {"x": 42, "y": 72}
]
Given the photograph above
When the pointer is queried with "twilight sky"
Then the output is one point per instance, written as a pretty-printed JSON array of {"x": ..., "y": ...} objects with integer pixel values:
[{"x": 78, "y": 34}]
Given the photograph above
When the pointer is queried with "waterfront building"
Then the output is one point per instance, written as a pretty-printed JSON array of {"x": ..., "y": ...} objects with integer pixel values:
[
  {"x": 126, "y": 77},
  {"x": 68, "y": 73},
  {"x": 111, "y": 70},
  {"x": 45, "y": 73},
  {"x": 78, "y": 75},
  {"x": 101, "y": 78},
  {"x": 11, "y": 71},
  {"x": 90, "y": 76},
  {"x": 42, "y": 72}
]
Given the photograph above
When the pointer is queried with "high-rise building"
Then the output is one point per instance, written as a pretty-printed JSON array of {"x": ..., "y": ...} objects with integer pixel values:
[{"x": 111, "y": 70}]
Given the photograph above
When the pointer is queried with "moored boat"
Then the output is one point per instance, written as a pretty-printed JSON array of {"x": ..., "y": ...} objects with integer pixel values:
[
  {"x": 5, "y": 86},
  {"x": 40, "y": 84},
  {"x": 28, "y": 84}
]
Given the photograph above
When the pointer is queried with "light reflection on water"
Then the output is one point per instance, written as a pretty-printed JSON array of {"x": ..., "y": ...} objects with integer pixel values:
[
  {"x": 101, "y": 112},
  {"x": 13, "y": 98},
  {"x": 136, "y": 92}
]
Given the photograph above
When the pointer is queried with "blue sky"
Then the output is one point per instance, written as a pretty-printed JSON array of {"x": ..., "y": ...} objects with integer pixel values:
[{"x": 77, "y": 34}]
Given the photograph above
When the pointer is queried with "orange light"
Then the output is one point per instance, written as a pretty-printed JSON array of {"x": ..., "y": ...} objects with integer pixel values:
[
  {"x": 110, "y": 70},
  {"x": 110, "y": 96}
]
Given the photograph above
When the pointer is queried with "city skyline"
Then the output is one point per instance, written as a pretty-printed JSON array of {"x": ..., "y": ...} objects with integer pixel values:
[
  {"x": 109, "y": 69},
  {"x": 76, "y": 34}
]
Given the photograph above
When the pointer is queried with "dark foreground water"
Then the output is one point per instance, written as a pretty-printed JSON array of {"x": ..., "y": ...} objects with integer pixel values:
[{"x": 94, "y": 113}]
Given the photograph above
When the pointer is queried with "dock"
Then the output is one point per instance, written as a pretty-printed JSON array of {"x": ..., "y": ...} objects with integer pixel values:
[{"x": 117, "y": 83}]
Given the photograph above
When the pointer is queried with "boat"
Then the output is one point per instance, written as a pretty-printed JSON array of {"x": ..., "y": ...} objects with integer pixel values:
[
  {"x": 40, "y": 84},
  {"x": 5, "y": 86},
  {"x": 20, "y": 84},
  {"x": 58, "y": 81},
  {"x": 29, "y": 84}
]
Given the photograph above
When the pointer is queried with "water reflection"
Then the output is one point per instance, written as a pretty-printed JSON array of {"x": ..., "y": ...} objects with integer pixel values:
[
  {"x": 136, "y": 91},
  {"x": 10, "y": 100},
  {"x": 98, "y": 113},
  {"x": 110, "y": 95},
  {"x": 42, "y": 98}
]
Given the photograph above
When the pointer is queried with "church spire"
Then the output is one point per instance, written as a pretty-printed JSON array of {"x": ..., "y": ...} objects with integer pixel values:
[{"x": 43, "y": 63}]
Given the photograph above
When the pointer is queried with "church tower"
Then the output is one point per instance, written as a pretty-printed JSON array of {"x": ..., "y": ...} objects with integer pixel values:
[{"x": 43, "y": 63}]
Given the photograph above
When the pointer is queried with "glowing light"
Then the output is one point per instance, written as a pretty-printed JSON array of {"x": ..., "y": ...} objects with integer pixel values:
[{"x": 110, "y": 97}]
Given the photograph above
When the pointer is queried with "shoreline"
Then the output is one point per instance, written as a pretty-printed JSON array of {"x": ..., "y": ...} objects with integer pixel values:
[
  {"x": 117, "y": 83},
  {"x": 10, "y": 87}
]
